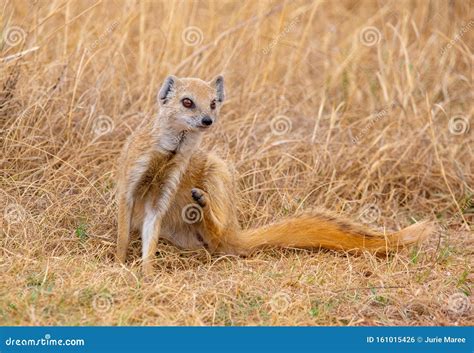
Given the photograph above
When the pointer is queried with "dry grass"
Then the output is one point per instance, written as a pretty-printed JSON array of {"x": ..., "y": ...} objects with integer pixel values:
[{"x": 315, "y": 116}]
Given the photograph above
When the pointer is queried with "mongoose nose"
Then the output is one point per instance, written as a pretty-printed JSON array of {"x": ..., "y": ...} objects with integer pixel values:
[{"x": 206, "y": 121}]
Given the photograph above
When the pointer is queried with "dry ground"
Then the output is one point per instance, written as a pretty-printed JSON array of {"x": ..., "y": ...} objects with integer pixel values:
[{"x": 362, "y": 107}]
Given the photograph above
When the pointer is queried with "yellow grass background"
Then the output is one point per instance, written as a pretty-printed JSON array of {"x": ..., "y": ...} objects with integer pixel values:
[{"x": 362, "y": 107}]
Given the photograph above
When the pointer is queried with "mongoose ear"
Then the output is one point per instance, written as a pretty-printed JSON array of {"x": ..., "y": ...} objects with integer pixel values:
[
  {"x": 166, "y": 89},
  {"x": 218, "y": 83}
]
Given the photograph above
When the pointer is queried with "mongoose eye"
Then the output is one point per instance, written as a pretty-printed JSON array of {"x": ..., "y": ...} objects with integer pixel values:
[
  {"x": 213, "y": 104},
  {"x": 187, "y": 103}
]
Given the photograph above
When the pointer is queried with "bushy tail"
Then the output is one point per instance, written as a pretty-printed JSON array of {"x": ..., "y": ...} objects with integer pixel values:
[{"x": 325, "y": 230}]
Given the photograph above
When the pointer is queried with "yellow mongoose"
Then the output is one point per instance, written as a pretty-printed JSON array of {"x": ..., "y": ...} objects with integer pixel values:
[{"x": 169, "y": 188}]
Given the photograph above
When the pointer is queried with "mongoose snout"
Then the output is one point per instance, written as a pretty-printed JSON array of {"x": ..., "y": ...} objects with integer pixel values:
[{"x": 207, "y": 121}]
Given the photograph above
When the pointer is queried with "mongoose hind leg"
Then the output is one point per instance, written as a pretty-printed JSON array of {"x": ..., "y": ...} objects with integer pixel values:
[
  {"x": 124, "y": 222},
  {"x": 214, "y": 194}
]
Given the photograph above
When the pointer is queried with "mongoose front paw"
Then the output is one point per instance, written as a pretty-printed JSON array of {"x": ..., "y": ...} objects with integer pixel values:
[{"x": 198, "y": 196}]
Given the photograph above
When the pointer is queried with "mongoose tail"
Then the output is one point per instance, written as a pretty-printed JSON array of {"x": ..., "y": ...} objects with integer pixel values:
[{"x": 330, "y": 232}]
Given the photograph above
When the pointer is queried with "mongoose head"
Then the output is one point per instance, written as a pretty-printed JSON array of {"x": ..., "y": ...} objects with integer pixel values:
[{"x": 190, "y": 104}]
